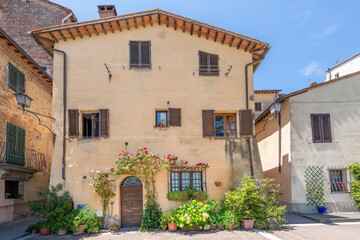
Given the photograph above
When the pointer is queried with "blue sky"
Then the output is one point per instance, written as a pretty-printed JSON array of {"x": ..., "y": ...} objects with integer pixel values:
[{"x": 306, "y": 37}]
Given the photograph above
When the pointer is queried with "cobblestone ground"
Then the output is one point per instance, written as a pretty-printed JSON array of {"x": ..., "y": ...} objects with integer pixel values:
[{"x": 179, "y": 235}]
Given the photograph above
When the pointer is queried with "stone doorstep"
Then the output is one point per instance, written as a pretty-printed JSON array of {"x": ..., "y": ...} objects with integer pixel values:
[{"x": 333, "y": 217}]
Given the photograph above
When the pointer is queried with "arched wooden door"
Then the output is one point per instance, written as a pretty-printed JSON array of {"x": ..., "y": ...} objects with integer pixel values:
[{"x": 131, "y": 194}]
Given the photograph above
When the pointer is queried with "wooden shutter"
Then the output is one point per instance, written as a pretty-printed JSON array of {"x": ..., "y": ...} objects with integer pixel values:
[
  {"x": 203, "y": 64},
  {"x": 73, "y": 122},
  {"x": 258, "y": 106},
  {"x": 326, "y": 124},
  {"x": 134, "y": 54},
  {"x": 316, "y": 128},
  {"x": 208, "y": 117},
  {"x": 246, "y": 122},
  {"x": 21, "y": 81},
  {"x": 174, "y": 116},
  {"x": 11, "y": 134},
  {"x": 12, "y": 77},
  {"x": 104, "y": 122},
  {"x": 145, "y": 54},
  {"x": 214, "y": 63}
]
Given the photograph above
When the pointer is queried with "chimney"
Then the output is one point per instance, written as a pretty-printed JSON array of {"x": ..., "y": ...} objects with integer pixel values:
[{"x": 107, "y": 11}]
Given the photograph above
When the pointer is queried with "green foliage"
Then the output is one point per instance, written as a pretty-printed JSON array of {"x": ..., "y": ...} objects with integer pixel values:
[
  {"x": 84, "y": 217},
  {"x": 315, "y": 190},
  {"x": 178, "y": 196},
  {"x": 58, "y": 217},
  {"x": 166, "y": 217},
  {"x": 255, "y": 200},
  {"x": 102, "y": 184},
  {"x": 226, "y": 218},
  {"x": 51, "y": 200},
  {"x": 151, "y": 216},
  {"x": 114, "y": 226},
  {"x": 194, "y": 214},
  {"x": 355, "y": 184},
  {"x": 200, "y": 195},
  {"x": 41, "y": 224}
]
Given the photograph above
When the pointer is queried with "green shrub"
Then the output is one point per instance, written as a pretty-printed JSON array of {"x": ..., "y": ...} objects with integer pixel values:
[
  {"x": 84, "y": 217},
  {"x": 41, "y": 224},
  {"x": 355, "y": 184},
  {"x": 166, "y": 217},
  {"x": 151, "y": 216},
  {"x": 200, "y": 196},
  {"x": 178, "y": 196},
  {"x": 57, "y": 218},
  {"x": 187, "y": 194}
]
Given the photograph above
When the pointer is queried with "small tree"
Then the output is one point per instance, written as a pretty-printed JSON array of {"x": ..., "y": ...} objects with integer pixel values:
[
  {"x": 102, "y": 185},
  {"x": 355, "y": 184}
]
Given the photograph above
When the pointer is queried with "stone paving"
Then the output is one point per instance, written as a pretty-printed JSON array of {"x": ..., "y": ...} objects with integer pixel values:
[{"x": 16, "y": 229}]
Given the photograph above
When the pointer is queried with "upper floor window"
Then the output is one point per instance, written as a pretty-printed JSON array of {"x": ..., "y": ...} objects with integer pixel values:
[
  {"x": 16, "y": 79},
  {"x": 161, "y": 119},
  {"x": 321, "y": 128},
  {"x": 225, "y": 125},
  {"x": 140, "y": 56},
  {"x": 208, "y": 63},
  {"x": 258, "y": 107},
  {"x": 94, "y": 124},
  {"x": 90, "y": 124}
]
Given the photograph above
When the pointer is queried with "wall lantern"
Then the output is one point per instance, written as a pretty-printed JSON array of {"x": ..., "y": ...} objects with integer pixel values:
[
  {"x": 275, "y": 108},
  {"x": 25, "y": 101}
]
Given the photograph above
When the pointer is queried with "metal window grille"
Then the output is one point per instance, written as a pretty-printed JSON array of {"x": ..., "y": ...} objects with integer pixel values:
[
  {"x": 179, "y": 179},
  {"x": 338, "y": 181}
]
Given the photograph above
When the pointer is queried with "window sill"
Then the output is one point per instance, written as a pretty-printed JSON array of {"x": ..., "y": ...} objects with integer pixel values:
[
  {"x": 140, "y": 68},
  {"x": 161, "y": 128},
  {"x": 89, "y": 138},
  {"x": 209, "y": 74}
]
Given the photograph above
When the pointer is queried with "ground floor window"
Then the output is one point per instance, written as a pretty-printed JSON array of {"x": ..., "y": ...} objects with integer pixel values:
[
  {"x": 179, "y": 181},
  {"x": 338, "y": 180},
  {"x": 13, "y": 189}
]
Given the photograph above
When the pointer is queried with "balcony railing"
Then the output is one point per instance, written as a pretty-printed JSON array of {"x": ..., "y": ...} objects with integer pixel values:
[{"x": 19, "y": 156}]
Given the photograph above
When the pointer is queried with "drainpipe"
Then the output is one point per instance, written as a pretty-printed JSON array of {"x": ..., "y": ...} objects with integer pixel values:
[
  {"x": 247, "y": 103},
  {"x": 64, "y": 104},
  {"x": 66, "y": 18}
]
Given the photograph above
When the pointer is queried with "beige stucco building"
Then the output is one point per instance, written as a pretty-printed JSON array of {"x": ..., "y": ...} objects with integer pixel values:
[
  {"x": 154, "y": 79},
  {"x": 317, "y": 133},
  {"x": 25, "y": 146},
  {"x": 263, "y": 99}
]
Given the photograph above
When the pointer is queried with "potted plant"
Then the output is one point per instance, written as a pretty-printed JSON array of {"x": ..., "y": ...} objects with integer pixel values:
[
  {"x": 315, "y": 193},
  {"x": 114, "y": 227},
  {"x": 168, "y": 217},
  {"x": 7, "y": 195},
  {"x": 85, "y": 220},
  {"x": 248, "y": 220},
  {"x": 44, "y": 227}
]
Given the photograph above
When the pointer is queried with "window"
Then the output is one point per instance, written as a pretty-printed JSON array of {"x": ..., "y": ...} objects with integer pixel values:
[
  {"x": 90, "y": 125},
  {"x": 321, "y": 128},
  {"x": 337, "y": 75},
  {"x": 208, "y": 64},
  {"x": 16, "y": 79},
  {"x": 13, "y": 189},
  {"x": 225, "y": 125},
  {"x": 338, "y": 181},
  {"x": 140, "y": 56},
  {"x": 15, "y": 145},
  {"x": 161, "y": 118},
  {"x": 181, "y": 180},
  {"x": 258, "y": 107}
]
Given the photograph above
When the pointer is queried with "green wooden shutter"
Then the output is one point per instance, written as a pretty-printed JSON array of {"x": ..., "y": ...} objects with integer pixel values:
[
  {"x": 15, "y": 145},
  {"x": 21, "y": 82},
  {"x": 12, "y": 77},
  {"x": 20, "y": 146}
]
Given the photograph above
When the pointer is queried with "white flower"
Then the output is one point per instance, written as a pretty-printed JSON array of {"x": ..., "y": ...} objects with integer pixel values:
[
  {"x": 205, "y": 215},
  {"x": 98, "y": 171},
  {"x": 181, "y": 225},
  {"x": 207, "y": 227}
]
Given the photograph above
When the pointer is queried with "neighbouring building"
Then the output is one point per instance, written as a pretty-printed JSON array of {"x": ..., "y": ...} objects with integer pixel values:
[
  {"x": 154, "y": 79},
  {"x": 346, "y": 67},
  {"x": 263, "y": 99},
  {"x": 315, "y": 136},
  {"x": 25, "y": 146},
  {"x": 18, "y": 17}
]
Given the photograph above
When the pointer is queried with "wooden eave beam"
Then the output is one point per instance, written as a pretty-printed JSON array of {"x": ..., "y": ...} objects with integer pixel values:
[
  {"x": 232, "y": 40},
  {"x": 111, "y": 27},
  {"x": 45, "y": 39},
  {"x": 119, "y": 26},
  {"x": 238, "y": 46},
  {"x": 223, "y": 40},
  {"x": 71, "y": 35},
  {"x": 167, "y": 21},
  {"x": 199, "y": 32},
  {"x": 183, "y": 26},
  {"x": 95, "y": 30},
  {"x": 135, "y": 23},
  {"x": 247, "y": 47},
  {"x": 151, "y": 21},
  {"x": 208, "y": 34},
  {"x": 103, "y": 28},
  {"x": 175, "y": 23},
  {"x": 216, "y": 34},
  {"x": 87, "y": 31},
  {"x": 53, "y": 37},
  {"x": 78, "y": 31},
  {"x": 143, "y": 21},
  {"x": 62, "y": 35},
  {"x": 252, "y": 49},
  {"x": 127, "y": 24},
  {"x": 192, "y": 28}
]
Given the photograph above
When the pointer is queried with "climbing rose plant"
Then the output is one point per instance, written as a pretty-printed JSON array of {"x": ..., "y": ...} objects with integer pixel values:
[{"x": 102, "y": 185}]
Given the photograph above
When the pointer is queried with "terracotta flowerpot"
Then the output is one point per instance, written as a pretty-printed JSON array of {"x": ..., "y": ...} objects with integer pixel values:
[
  {"x": 81, "y": 230},
  {"x": 163, "y": 228},
  {"x": 248, "y": 224},
  {"x": 194, "y": 228},
  {"x": 114, "y": 228},
  {"x": 221, "y": 227},
  {"x": 62, "y": 232},
  {"x": 33, "y": 231},
  {"x": 217, "y": 184},
  {"x": 172, "y": 227},
  {"x": 45, "y": 231},
  {"x": 212, "y": 227}
]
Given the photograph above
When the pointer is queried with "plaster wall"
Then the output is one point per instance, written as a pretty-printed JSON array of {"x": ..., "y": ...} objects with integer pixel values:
[
  {"x": 132, "y": 97},
  {"x": 344, "y": 69},
  {"x": 266, "y": 99}
]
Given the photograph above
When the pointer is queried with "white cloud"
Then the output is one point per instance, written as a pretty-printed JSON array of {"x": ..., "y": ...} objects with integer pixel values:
[
  {"x": 326, "y": 31},
  {"x": 313, "y": 68}
]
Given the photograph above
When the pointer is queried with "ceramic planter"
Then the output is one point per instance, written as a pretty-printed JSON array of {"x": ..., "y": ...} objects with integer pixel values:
[
  {"x": 62, "y": 232},
  {"x": 322, "y": 210},
  {"x": 163, "y": 228},
  {"x": 248, "y": 224},
  {"x": 45, "y": 231},
  {"x": 212, "y": 227},
  {"x": 172, "y": 227},
  {"x": 114, "y": 228},
  {"x": 81, "y": 230}
]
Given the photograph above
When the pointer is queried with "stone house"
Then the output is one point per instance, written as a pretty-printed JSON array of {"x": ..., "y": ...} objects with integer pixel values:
[
  {"x": 316, "y": 135},
  {"x": 25, "y": 146},
  {"x": 154, "y": 79},
  {"x": 18, "y": 17},
  {"x": 346, "y": 67}
]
